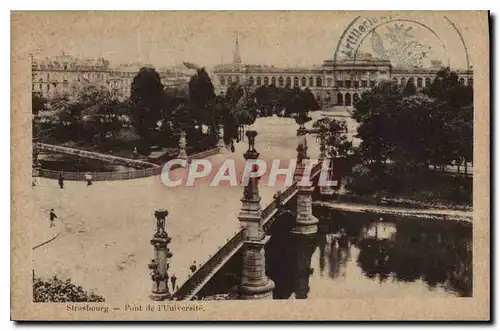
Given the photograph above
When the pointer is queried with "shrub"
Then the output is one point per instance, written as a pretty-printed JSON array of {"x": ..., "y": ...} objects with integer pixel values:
[
  {"x": 57, "y": 290},
  {"x": 362, "y": 182}
]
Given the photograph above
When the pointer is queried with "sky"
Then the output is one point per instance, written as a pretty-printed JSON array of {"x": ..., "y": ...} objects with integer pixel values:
[{"x": 205, "y": 38}]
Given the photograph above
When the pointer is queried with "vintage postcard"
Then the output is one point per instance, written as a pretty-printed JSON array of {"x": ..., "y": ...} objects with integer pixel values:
[{"x": 250, "y": 166}]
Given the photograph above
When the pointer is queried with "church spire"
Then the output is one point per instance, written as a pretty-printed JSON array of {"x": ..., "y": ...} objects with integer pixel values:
[{"x": 236, "y": 56}]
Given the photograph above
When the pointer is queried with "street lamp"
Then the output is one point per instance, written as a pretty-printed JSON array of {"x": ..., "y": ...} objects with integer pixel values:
[{"x": 160, "y": 263}]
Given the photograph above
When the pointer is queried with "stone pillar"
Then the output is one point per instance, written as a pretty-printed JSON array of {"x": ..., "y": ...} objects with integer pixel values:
[
  {"x": 182, "y": 146},
  {"x": 221, "y": 145},
  {"x": 306, "y": 223},
  {"x": 254, "y": 282},
  {"x": 161, "y": 261},
  {"x": 304, "y": 247}
]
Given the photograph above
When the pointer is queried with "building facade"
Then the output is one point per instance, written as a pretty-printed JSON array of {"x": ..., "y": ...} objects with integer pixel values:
[
  {"x": 120, "y": 79},
  {"x": 66, "y": 74},
  {"x": 333, "y": 83}
]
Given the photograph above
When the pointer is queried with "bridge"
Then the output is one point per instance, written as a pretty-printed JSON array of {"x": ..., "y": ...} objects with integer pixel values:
[
  {"x": 252, "y": 236},
  {"x": 111, "y": 242},
  {"x": 210, "y": 268}
]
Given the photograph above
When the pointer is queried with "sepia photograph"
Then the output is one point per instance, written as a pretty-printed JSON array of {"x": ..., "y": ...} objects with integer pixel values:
[{"x": 185, "y": 157}]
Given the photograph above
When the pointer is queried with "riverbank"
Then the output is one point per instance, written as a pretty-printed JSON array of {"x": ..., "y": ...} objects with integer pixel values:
[{"x": 427, "y": 213}]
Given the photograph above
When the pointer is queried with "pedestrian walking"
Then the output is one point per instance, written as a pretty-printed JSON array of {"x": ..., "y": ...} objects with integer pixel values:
[
  {"x": 88, "y": 177},
  {"x": 232, "y": 146},
  {"x": 52, "y": 217},
  {"x": 173, "y": 279},
  {"x": 61, "y": 180},
  {"x": 193, "y": 267}
]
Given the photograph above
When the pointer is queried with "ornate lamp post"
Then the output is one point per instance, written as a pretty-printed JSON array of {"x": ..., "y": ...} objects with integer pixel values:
[
  {"x": 182, "y": 146},
  {"x": 250, "y": 213},
  {"x": 161, "y": 261},
  {"x": 254, "y": 282},
  {"x": 306, "y": 223},
  {"x": 221, "y": 145}
]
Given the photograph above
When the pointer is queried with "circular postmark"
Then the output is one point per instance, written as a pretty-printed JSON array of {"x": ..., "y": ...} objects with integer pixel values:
[{"x": 378, "y": 46}]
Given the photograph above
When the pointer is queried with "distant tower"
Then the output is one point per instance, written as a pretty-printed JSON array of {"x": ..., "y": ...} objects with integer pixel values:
[{"x": 236, "y": 56}]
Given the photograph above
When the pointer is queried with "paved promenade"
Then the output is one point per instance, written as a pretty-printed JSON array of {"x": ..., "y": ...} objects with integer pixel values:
[
  {"x": 104, "y": 241},
  {"x": 41, "y": 231}
]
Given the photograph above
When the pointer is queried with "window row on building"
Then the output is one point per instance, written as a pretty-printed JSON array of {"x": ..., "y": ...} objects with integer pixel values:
[
  {"x": 318, "y": 81},
  {"x": 345, "y": 99},
  {"x": 355, "y": 83},
  {"x": 273, "y": 80},
  {"x": 50, "y": 84},
  {"x": 423, "y": 82}
]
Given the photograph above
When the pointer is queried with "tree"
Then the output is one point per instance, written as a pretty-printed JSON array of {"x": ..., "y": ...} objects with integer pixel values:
[
  {"x": 201, "y": 97},
  {"x": 104, "y": 120},
  {"x": 236, "y": 108},
  {"x": 91, "y": 113},
  {"x": 309, "y": 101},
  {"x": 373, "y": 113},
  {"x": 404, "y": 131},
  {"x": 147, "y": 98},
  {"x": 234, "y": 93},
  {"x": 38, "y": 102},
  {"x": 333, "y": 133},
  {"x": 456, "y": 112}
]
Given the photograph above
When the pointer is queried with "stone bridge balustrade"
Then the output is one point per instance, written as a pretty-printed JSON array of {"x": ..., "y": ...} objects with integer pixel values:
[{"x": 195, "y": 283}]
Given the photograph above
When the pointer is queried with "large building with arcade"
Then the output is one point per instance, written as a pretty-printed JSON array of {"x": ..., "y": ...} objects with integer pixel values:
[{"x": 334, "y": 83}]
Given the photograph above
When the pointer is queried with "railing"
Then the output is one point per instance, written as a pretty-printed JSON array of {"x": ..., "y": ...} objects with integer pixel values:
[
  {"x": 267, "y": 212},
  {"x": 119, "y": 175},
  {"x": 101, "y": 176},
  {"x": 202, "y": 275},
  {"x": 270, "y": 210},
  {"x": 94, "y": 155}
]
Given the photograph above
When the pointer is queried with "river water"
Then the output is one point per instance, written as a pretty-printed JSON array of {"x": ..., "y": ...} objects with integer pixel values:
[{"x": 360, "y": 255}]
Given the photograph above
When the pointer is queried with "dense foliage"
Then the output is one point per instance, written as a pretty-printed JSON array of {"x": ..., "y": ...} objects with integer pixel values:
[
  {"x": 333, "y": 134},
  {"x": 407, "y": 132},
  {"x": 93, "y": 115},
  {"x": 416, "y": 130},
  {"x": 154, "y": 115},
  {"x": 57, "y": 290},
  {"x": 272, "y": 99}
]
